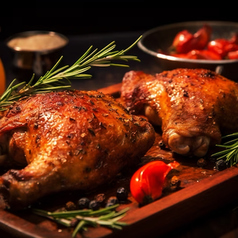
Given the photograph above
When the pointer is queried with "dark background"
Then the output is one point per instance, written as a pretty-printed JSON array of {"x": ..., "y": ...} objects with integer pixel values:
[
  {"x": 88, "y": 22},
  {"x": 90, "y": 17}
]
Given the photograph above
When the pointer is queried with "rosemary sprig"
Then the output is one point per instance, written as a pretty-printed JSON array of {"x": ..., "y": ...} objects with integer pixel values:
[
  {"x": 230, "y": 151},
  {"x": 59, "y": 78},
  {"x": 81, "y": 219}
]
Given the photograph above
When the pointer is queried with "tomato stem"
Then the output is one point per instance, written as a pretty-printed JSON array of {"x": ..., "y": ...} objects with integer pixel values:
[{"x": 147, "y": 199}]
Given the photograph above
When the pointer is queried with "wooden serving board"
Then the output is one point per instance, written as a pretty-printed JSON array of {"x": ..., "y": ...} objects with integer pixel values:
[{"x": 202, "y": 190}]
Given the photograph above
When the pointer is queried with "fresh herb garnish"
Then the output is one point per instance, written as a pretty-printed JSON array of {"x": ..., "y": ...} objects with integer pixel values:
[
  {"x": 59, "y": 78},
  {"x": 81, "y": 219},
  {"x": 230, "y": 151}
]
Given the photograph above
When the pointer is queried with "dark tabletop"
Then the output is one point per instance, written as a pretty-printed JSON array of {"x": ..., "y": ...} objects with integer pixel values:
[{"x": 219, "y": 223}]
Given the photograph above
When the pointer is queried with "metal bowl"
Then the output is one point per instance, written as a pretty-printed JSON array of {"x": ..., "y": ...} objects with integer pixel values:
[
  {"x": 162, "y": 38},
  {"x": 36, "y": 54}
]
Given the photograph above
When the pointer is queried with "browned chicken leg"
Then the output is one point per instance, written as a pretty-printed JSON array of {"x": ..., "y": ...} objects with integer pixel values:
[
  {"x": 70, "y": 140},
  {"x": 193, "y": 106}
]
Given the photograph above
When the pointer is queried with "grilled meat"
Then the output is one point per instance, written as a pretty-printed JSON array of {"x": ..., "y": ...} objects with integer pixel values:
[
  {"x": 193, "y": 106},
  {"x": 67, "y": 140}
]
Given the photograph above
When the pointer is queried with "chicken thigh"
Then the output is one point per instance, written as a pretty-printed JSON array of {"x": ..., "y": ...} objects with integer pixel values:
[
  {"x": 67, "y": 140},
  {"x": 193, "y": 106}
]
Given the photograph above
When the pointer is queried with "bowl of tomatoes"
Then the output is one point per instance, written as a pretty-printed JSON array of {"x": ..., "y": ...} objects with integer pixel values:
[{"x": 200, "y": 44}]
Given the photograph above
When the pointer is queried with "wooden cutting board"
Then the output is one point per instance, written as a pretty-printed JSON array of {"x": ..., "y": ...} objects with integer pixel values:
[{"x": 202, "y": 190}]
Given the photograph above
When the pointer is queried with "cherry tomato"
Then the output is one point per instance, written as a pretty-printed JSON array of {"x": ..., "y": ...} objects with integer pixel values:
[
  {"x": 234, "y": 39},
  {"x": 218, "y": 46},
  {"x": 222, "y": 46},
  {"x": 184, "y": 41},
  {"x": 147, "y": 182},
  {"x": 232, "y": 54},
  {"x": 198, "y": 46},
  {"x": 199, "y": 54},
  {"x": 202, "y": 37},
  {"x": 231, "y": 47}
]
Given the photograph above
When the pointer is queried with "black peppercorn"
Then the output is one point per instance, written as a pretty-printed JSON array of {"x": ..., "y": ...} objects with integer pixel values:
[
  {"x": 122, "y": 194},
  {"x": 220, "y": 165},
  {"x": 94, "y": 205},
  {"x": 83, "y": 203}
]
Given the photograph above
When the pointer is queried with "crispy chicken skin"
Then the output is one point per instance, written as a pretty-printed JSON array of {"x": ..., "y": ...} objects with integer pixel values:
[
  {"x": 193, "y": 106},
  {"x": 68, "y": 140}
]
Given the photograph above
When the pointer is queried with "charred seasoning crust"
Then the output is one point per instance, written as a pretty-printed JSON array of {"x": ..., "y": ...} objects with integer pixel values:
[{"x": 199, "y": 74}]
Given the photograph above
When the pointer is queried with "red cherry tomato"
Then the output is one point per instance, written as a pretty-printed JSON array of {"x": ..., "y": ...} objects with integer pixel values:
[
  {"x": 234, "y": 39},
  {"x": 232, "y": 54},
  {"x": 184, "y": 41},
  {"x": 199, "y": 54},
  {"x": 202, "y": 37},
  {"x": 198, "y": 46},
  {"x": 222, "y": 46},
  {"x": 218, "y": 46},
  {"x": 147, "y": 182}
]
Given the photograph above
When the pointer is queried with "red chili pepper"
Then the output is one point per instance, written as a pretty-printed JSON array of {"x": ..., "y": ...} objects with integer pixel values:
[
  {"x": 184, "y": 41},
  {"x": 148, "y": 182}
]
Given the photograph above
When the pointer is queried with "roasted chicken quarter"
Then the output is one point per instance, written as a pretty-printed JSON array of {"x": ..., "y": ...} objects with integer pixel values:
[
  {"x": 69, "y": 140},
  {"x": 192, "y": 106}
]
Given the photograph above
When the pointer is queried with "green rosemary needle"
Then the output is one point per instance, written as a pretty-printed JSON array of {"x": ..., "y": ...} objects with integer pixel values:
[
  {"x": 81, "y": 219},
  {"x": 230, "y": 150},
  {"x": 59, "y": 78}
]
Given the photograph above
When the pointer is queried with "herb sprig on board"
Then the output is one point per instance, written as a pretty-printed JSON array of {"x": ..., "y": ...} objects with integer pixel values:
[
  {"x": 81, "y": 219},
  {"x": 230, "y": 150},
  {"x": 59, "y": 78}
]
